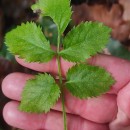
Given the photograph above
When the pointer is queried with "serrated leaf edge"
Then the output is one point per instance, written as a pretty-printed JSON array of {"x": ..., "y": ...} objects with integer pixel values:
[
  {"x": 82, "y": 97},
  {"x": 52, "y": 104}
]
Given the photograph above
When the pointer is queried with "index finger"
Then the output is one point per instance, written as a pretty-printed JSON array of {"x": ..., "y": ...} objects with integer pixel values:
[{"x": 119, "y": 68}]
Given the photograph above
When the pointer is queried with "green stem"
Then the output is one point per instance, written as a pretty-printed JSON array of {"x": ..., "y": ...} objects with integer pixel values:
[{"x": 61, "y": 86}]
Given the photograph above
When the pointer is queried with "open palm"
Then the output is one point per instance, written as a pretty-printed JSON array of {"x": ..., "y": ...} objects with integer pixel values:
[{"x": 107, "y": 112}]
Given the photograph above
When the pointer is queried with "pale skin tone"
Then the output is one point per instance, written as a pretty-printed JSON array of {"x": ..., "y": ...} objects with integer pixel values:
[{"x": 110, "y": 111}]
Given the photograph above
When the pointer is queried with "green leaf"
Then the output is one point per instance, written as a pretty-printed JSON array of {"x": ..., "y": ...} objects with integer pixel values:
[
  {"x": 28, "y": 42},
  {"x": 58, "y": 10},
  {"x": 39, "y": 94},
  {"x": 85, "y": 81},
  {"x": 84, "y": 41}
]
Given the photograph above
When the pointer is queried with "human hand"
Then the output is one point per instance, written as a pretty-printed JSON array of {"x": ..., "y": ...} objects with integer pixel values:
[{"x": 107, "y": 112}]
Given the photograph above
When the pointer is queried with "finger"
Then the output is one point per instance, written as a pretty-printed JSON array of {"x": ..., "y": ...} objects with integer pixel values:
[
  {"x": 122, "y": 122},
  {"x": 117, "y": 67},
  {"x": 51, "y": 67},
  {"x": 11, "y": 81},
  {"x": 49, "y": 121},
  {"x": 123, "y": 99},
  {"x": 95, "y": 109}
]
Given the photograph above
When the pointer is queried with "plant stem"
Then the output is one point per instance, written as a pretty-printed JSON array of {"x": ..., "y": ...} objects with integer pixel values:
[{"x": 61, "y": 86}]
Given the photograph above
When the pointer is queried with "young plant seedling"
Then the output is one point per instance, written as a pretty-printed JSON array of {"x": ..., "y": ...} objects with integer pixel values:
[{"x": 82, "y": 80}]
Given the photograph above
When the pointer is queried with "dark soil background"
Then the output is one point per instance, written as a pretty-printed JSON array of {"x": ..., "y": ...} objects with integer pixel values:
[{"x": 113, "y": 13}]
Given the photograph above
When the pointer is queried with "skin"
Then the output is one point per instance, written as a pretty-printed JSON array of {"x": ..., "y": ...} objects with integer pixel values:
[{"x": 107, "y": 112}]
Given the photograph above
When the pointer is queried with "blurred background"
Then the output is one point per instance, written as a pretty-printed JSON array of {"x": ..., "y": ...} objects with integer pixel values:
[{"x": 113, "y": 13}]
